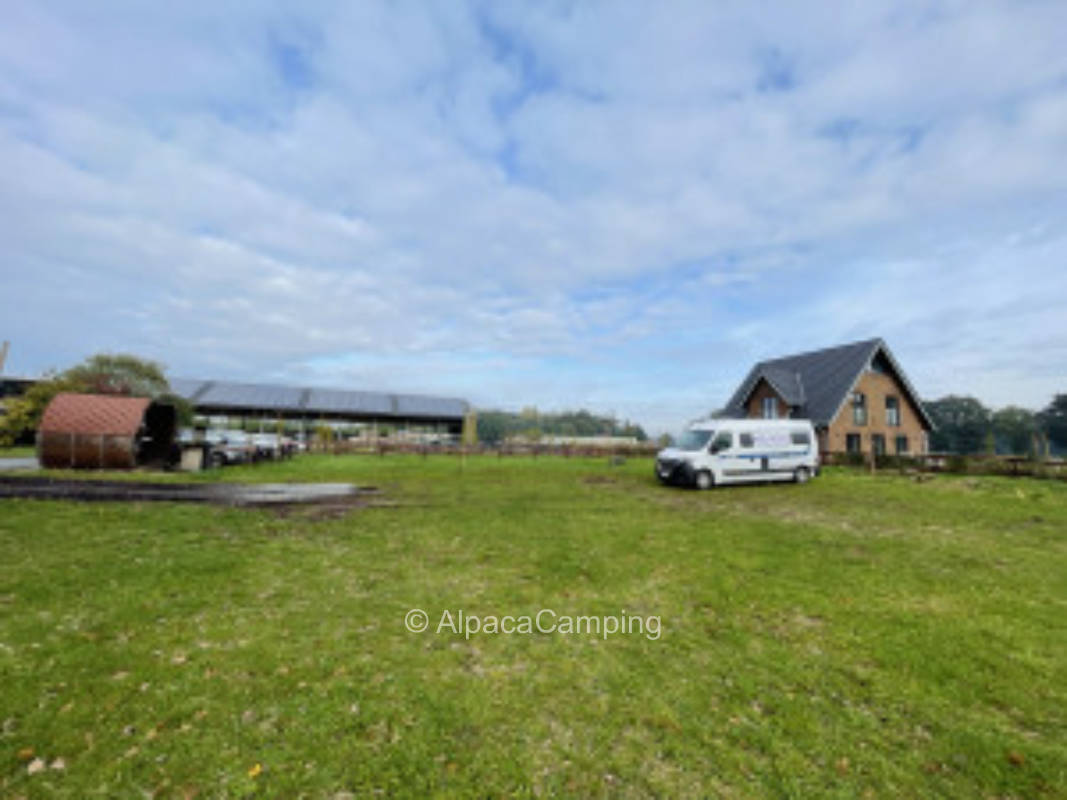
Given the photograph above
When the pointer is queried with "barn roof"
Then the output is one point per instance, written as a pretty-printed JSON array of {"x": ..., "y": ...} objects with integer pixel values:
[
  {"x": 819, "y": 380},
  {"x": 94, "y": 414},
  {"x": 280, "y": 398}
]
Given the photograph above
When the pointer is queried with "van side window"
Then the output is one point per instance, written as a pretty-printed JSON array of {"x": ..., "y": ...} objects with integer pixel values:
[
  {"x": 722, "y": 442},
  {"x": 745, "y": 440},
  {"x": 800, "y": 437}
]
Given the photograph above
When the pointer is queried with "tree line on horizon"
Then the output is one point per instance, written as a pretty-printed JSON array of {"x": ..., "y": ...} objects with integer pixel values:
[
  {"x": 965, "y": 426},
  {"x": 495, "y": 426}
]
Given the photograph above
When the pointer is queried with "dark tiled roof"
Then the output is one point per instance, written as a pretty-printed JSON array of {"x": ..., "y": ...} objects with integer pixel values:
[
  {"x": 819, "y": 380},
  {"x": 786, "y": 382},
  {"x": 273, "y": 397}
]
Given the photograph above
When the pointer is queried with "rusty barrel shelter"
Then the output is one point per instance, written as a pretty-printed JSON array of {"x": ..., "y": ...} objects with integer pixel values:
[{"x": 93, "y": 431}]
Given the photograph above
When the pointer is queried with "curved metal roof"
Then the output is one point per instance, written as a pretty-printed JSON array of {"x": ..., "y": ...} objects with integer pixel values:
[{"x": 94, "y": 414}]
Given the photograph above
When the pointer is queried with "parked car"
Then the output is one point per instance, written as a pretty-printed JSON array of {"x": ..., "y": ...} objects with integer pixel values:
[
  {"x": 230, "y": 447},
  {"x": 268, "y": 445},
  {"x": 720, "y": 451},
  {"x": 272, "y": 446}
]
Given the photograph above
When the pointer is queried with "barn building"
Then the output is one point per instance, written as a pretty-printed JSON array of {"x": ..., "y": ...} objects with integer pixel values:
[{"x": 302, "y": 410}]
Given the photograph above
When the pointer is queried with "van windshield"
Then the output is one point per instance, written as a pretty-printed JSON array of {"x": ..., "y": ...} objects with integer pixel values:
[{"x": 693, "y": 440}]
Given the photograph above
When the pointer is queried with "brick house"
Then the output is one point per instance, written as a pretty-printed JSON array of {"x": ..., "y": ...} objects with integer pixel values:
[{"x": 856, "y": 395}]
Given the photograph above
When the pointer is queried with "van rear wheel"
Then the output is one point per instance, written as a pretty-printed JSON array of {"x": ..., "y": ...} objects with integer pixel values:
[
  {"x": 803, "y": 475},
  {"x": 704, "y": 480}
]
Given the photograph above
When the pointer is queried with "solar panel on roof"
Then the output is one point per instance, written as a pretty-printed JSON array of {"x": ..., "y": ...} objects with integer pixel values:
[
  {"x": 186, "y": 387},
  {"x": 339, "y": 401},
  {"x": 224, "y": 394},
  {"x": 421, "y": 406},
  {"x": 249, "y": 395}
]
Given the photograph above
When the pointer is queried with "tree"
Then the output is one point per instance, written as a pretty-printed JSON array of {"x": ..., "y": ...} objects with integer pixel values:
[
  {"x": 24, "y": 413},
  {"x": 469, "y": 434},
  {"x": 120, "y": 374},
  {"x": 960, "y": 424},
  {"x": 100, "y": 374},
  {"x": 1053, "y": 421},
  {"x": 1014, "y": 429},
  {"x": 492, "y": 426}
]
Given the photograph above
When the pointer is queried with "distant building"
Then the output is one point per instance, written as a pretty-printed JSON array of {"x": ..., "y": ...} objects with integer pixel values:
[
  {"x": 856, "y": 395},
  {"x": 582, "y": 441},
  {"x": 13, "y": 386},
  {"x": 371, "y": 414}
]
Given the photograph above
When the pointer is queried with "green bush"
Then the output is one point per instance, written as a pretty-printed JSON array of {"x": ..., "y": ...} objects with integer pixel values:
[
  {"x": 850, "y": 459},
  {"x": 956, "y": 464}
]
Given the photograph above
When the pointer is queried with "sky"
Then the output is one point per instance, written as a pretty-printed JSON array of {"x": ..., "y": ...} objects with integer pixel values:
[{"x": 617, "y": 206}]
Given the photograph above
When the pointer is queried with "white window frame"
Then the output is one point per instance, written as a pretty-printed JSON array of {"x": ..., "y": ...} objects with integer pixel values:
[
  {"x": 860, "y": 414},
  {"x": 769, "y": 407},
  {"x": 892, "y": 413}
]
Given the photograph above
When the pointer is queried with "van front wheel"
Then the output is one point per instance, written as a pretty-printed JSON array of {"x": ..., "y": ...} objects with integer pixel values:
[
  {"x": 704, "y": 480},
  {"x": 803, "y": 475}
]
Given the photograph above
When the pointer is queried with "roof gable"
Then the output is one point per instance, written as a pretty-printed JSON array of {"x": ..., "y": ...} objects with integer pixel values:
[{"x": 822, "y": 379}]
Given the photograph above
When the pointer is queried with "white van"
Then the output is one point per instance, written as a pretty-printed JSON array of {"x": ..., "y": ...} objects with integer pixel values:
[{"x": 717, "y": 451}]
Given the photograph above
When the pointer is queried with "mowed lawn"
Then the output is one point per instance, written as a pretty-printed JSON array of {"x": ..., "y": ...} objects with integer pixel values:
[{"x": 855, "y": 637}]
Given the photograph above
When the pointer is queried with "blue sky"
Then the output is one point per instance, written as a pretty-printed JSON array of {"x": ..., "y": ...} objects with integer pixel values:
[{"x": 617, "y": 206}]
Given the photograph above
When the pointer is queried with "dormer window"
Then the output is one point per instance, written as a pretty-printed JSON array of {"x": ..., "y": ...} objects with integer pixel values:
[
  {"x": 859, "y": 408},
  {"x": 770, "y": 407}
]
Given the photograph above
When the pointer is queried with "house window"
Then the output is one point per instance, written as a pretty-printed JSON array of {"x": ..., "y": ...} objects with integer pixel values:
[
  {"x": 859, "y": 408},
  {"x": 902, "y": 445},
  {"x": 878, "y": 444},
  {"x": 852, "y": 443},
  {"x": 770, "y": 407},
  {"x": 892, "y": 411}
]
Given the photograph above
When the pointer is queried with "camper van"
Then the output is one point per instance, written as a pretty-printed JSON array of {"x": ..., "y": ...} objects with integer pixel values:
[{"x": 719, "y": 451}]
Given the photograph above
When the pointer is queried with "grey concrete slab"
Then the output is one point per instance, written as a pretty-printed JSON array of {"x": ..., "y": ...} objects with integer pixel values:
[
  {"x": 236, "y": 494},
  {"x": 14, "y": 464}
]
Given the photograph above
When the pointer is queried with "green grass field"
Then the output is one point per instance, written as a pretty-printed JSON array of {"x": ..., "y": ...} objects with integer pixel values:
[
  {"x": 18, "y": 452},
  {"x": 856, "y": 637}
]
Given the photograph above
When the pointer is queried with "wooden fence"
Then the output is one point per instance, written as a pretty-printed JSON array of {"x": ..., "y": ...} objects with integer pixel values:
[
  {"x": 977, "y": 464},
  {"x": 1018, "y": 466},
  {"x": 384, "y": 448}
]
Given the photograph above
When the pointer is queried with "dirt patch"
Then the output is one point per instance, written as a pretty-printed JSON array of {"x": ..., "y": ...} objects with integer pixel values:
[
  {"x": 277, "y": 495},
  {"x": 598, "y": 479},
  {"x": 336, "y": 508}
]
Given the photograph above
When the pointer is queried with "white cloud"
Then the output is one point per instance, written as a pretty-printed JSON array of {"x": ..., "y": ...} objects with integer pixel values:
[{"x": 560, "y": 204}]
